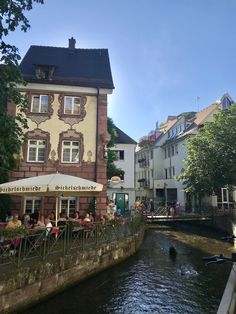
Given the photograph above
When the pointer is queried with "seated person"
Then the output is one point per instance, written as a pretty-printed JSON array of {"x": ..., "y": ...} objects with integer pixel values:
[
  {"x": 77, "y": 217},
  {"x": 14, "y": 223},
  {"x": 48, "y": 226},
  {"x": 62, "y": 219},
  {"x": 27, "y": 222},
  {"x": 87, "y": 218},
  {"x": 91, "y": 217},
  {"x": 35, "y": 217},
  {"x": 118, "y": 212},
  {"x": 9, "y": 217},
  {"x": 52, "y": 217},
  {"x": 40, "y": 223}
]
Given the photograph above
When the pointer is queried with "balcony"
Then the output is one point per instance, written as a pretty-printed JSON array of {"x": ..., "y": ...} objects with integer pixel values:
[
  {"x": 144, "y": 183},
  {"x": 143, "y": 162}
]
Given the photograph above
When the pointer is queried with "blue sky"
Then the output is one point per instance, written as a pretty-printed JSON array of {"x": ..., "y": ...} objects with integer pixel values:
[{"x": 164, "y": 54}]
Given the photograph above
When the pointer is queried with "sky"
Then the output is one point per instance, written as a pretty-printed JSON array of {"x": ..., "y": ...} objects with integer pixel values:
[{"x": 166, "y": 56}]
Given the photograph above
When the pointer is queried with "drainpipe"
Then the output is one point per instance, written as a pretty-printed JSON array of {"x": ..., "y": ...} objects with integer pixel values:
[{"x": 96, "y": 143}]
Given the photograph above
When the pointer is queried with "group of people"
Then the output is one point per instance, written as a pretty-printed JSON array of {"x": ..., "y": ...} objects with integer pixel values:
[
  {"x": 112, "y": 211},
  {"x": 142, "y": 205},
  {"x": 27, "y": 221},
  {"x": 173, "y": 208},
  {"x": 37, "y": 220}
]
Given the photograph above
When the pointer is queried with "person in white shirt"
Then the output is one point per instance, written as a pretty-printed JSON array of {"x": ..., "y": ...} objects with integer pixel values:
[{"x": 48, "y": 226}]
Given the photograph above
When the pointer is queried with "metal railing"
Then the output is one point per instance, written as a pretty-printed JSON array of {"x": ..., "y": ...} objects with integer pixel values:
[{"x": 40, "y": 244}]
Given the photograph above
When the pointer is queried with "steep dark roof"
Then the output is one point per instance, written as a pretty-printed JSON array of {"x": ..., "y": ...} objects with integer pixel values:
[
  {"x": 123, "y": 138},
  {"x": 80, "y": 67}
]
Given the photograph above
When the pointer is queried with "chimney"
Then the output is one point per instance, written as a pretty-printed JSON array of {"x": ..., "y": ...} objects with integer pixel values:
[{"x": 72, "y": 42}]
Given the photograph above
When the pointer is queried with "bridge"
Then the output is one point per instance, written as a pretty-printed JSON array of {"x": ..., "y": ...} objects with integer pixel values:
[{"x": 162, "y": 215}]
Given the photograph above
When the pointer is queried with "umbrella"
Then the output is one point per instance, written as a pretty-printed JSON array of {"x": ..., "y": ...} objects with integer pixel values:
[{"x": 56, "y": 184}]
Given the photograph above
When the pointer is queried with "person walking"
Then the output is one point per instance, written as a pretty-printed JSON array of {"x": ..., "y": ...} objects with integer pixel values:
[{"x": 151, "y": 205}]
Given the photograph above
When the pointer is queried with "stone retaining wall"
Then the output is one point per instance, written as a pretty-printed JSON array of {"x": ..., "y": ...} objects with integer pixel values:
[
  {"x": 225, "y": 223},
  {"x": 30, "y": 284}
]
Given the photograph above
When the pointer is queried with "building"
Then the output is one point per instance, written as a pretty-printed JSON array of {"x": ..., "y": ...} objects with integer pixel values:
[
  {"x": 67, "y": 91},
  {"x": 164, "y": 158},
  {"x": 146, "y": 157},
  {"x": 122, "y": 190}
]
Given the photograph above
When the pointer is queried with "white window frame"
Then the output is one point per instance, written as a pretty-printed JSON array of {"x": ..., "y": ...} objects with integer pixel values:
[
  {"x": 119, "y": 153},
  {"x": 37, "y": 146},
  {"x": 70, "y": 147},
  {"x": 68, "y": 209},
  {"x": 73, "y": 104},
  {"x": 40, "y": 103},
  {"x": 33, "y": 199}
]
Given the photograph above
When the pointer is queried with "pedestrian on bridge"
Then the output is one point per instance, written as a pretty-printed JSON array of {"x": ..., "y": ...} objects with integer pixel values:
[{"x": 151, "y": 205}]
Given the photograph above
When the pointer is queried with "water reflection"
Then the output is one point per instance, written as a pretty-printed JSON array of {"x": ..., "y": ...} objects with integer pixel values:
[{"x": 152, "y": 281}]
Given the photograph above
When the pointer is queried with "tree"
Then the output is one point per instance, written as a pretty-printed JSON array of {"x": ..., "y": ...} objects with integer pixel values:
[
  {"x": 11, "y": 128},
  {"x": 211, "y": 160},
  {"x": 112, "y": 170}
]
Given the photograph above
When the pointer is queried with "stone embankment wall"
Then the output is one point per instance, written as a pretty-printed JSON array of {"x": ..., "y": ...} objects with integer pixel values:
[
  {"x": 24, "y": 286},
  {"x": 225, "y": 223}
]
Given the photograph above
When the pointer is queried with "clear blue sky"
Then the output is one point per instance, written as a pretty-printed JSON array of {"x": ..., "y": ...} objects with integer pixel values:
[{"x": 163, "y": 53}]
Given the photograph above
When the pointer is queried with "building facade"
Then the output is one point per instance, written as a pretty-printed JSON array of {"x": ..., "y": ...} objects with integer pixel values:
[
  {"x": 122, "y": 191},
  {"x": 168, "y": 152},
  {"x": 67, "y": 91}
]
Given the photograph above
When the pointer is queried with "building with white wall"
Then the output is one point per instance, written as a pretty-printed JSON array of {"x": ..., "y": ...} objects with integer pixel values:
[
  {"x": 168, "y": 152},
  {"x": 122, "y": 192}
]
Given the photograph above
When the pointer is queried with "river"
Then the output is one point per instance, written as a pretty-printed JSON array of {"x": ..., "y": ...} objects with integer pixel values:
[{"x": 153, "y": 282}]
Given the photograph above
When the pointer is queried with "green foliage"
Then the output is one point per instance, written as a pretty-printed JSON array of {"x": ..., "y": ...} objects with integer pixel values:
[
  {"x": 12, "y": 233},
  {"x": 11, "y": 128},
  {"x": 211, "y": 160},
  {"x": 112, "y": 170}
]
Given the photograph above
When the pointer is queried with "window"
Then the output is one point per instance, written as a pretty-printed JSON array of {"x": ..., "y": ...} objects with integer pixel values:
[
  {"x": 166, "y": 173},
  {"x": 165, "y": 152},
  {"x": 68, "y": 206},
  {"x": 70, "y": 151},
  {"x": 151, "y": 157},
  {"x": 176, "y": 149},
  {"x": 39, "y": 103},
  {"x": 36, "y": 150},
  {"x": 168, "y": 151},
  {"x": 172, "y": 150},
  {"x": 120, "y": 154},
  {"x": 44, "y": 71},
  {"x": 173, "y": 171},
  {"x": 32, "y": 205},
  {"x": 72, "y": 105}
]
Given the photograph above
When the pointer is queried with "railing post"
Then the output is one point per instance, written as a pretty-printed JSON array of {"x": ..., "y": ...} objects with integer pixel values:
[
  {"x": 45, "y": 240},
  {"x": 19, "y": 254}
]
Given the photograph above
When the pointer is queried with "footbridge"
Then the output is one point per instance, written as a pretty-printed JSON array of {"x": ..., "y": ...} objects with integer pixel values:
[{"x": 163, "y": 215}]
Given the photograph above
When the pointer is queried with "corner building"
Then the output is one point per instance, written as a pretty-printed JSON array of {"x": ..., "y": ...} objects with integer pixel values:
[{"x": 67, "y": 91}]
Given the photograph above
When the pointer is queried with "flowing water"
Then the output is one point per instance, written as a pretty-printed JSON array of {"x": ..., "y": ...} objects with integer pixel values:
[{"x": 153, "y": 282}]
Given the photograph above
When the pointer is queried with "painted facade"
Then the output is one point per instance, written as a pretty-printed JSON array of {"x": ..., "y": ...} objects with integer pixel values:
[{"x": 67, "y": 121}]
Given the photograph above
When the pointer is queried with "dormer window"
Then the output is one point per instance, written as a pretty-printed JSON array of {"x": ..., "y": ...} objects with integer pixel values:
[
  {"x": 72, "y": 105},
  {"x": 44, "y": 72},
  {"x": 39, "y": 103}
]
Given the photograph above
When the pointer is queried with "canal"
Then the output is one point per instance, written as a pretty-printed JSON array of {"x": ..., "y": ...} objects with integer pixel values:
[{"x": 153, "y": 282}]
